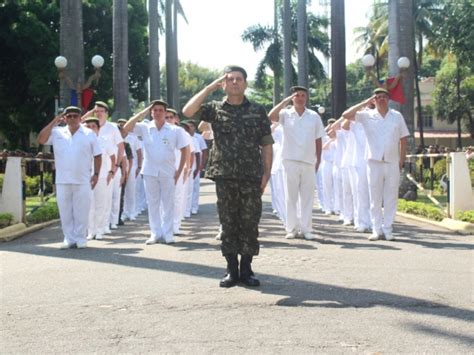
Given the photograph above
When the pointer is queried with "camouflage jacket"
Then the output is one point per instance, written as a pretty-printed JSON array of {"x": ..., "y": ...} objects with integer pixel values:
[{"x": 239, "y": 133}]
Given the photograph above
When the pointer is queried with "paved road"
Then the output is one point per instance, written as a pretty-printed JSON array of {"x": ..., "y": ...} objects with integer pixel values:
[{"x": 341, "y": 295}]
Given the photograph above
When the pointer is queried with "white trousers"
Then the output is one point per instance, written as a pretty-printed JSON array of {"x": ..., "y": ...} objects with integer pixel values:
[
  {"x": 115, "y": 203},
  {"x": 328, "y": 186},
  {"x": 188, "y": 196},
  {"x": 98, "y": 216},
  {"x": 384, "y": 179},
  {"x": 196, "y": 188},
  {"x": 361, "y": 196},
  {"x": 277, "y": 184},
  {"x": 129, "y": 199},
  {"x": 74, "y": 201},
  {"x": 299, "y": 183},
  {"x": 319, "y": 188},
  {"x": 160, "y": 197},
  {"x": 140, "y": 195},
  {"x": 178, "y": 204},
  {"x": 347, "y": 196},
  {"x": 338, "y": 204}
]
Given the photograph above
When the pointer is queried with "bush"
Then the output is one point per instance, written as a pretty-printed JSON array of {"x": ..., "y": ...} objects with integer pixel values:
[
  {"x": 420, "y": 209},
  {"x": 44, "y": 213},
  {"x": 33, "y": 184},
  {"x": 5, "y": 219},
  {"x": 465, "y": 216}
]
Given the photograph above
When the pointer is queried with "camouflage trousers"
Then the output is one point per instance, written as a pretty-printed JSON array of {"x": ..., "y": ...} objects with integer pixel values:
[{"x": 239, "y": 204}]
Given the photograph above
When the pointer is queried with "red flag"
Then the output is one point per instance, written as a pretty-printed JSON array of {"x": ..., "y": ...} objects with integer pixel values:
[
  {"x": 396, "y": 93},
  {"x": 87, "y": 95}
]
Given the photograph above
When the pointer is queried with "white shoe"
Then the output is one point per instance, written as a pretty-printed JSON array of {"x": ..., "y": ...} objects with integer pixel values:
[
  {"x": 389, "y": 236},
  {"x": 82, "y": 245},
  {"x": 170, "y": 241},
  {"x": 65, "y": 246},
  {"x": 361, "y": 229},
  {"x": 151, "y": 240},
  {"x": 374, "y": 236},
  {"x": 113, "y": 226},
  {"x": 219, "y": 236},
  {"x": 290, "y": 235},
  {"x": 107, "y": 231},
  {"x": 309, "y": 236},
  {"x": 327, "y": 213},
  {"x": 99, "y": 236},
  {"x": 90, "y": 237},
  {"x": 133, "y": 218},
  {"x": 194, "y": 212},
  {"x": 347, "y": 222}
]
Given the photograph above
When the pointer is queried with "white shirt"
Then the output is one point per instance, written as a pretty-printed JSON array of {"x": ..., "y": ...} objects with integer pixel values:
[
  {"x": 202, "y": 142},
  {"x": 135, "y": 145},
  {"x": 360, "y": 151},
  {"x": 383, "y": 134},
  {"x": 300, "y": 134},
  {"x": 349, "y": 148},
  {"x": 197, "y": 149},
  {"x": 73, "y": 154},
  {"x": 108, "y": 149},
  {"x": 110, "y": 132},
  {"x": 340, "y": 147},
  {"x": 177, "y": 152},
  {"x": 159, "y": 147},
  {"x": 327, "y": 154}
]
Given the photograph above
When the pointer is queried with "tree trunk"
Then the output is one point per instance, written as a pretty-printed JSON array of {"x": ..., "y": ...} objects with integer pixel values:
[
  {"x": 175, "y": 101},
  {"x": 302, "y": 35},
  {"x": 287, "y": 67},
  {"x": 72, "y": 47},
  {"x": 338, "y": 58},
  {"x": 276, "y": 72},
  {"x": 458, "y": 111},
  {"x": 120, "y": 59},
  {"x": 419, "y": 109},
  {"x": 171, "y": 61},
  {"x": 153, "y": 42},
  {"x": 401, "y": 41}
]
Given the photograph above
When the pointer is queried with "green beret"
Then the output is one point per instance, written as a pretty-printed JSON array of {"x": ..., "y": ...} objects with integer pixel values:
[
  {"x": 92, "y": 119},
  {"x": 231, "y": 68},
  {"x": 381, "y": 91},
  {"x": 122, "y": 120},
  {"x": 172, "y": 110},
  {"x": 159, "y": 102},
  {"x": 294, "y": 89},
  {"x": 102, "y": 104},
  {"x": 72, "y": 109}
]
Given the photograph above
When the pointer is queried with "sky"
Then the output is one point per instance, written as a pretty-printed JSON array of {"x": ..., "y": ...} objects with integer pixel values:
[{"x": 212, "y": 37}]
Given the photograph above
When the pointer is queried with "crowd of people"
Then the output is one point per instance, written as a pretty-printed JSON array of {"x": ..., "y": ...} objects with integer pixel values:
[{"x": 107, "y": 173}]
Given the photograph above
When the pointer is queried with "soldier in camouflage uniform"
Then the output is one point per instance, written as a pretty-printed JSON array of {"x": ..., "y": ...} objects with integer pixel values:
[{"x": 240, "y": 164}]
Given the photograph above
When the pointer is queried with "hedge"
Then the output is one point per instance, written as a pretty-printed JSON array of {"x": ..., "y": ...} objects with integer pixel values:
[
  {"x": 5, "y": 219},
  {"x": 44, "y": 213},
  {"x": 466, "y": 216},
  {"x": 421, "y": 209}
]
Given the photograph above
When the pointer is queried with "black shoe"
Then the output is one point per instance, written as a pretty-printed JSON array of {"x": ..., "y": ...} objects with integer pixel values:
[
  {"x": 232, "y": 276},
  {"x": 120, "y": 223},
  {"x": 246, "y": 273}
]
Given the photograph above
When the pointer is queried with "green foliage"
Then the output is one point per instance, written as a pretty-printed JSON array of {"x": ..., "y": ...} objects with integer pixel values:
[
  {"x": 45, "y": 213},
  {"x": 439, "y": 168},
  {"x": 465, "y": 216},
  {"x": 33, "y": 184},
  {"x": 1, "y": 181},
  {"x": 5, "y": 219},
  {"x": 420, "y": 209},
  {"x": 29, "y": 42}
]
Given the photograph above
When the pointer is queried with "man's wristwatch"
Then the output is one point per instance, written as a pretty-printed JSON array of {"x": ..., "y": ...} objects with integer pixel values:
[{"x": 96, "y": 174}]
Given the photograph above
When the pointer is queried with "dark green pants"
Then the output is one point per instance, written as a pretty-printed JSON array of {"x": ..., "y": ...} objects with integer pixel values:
[{"x": 239, "y": 204}]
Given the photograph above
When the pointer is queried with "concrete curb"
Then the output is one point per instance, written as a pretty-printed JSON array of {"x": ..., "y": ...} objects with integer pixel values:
[
  {"x": 20, "y": 229},
  {"x": 460, "y": 227}
]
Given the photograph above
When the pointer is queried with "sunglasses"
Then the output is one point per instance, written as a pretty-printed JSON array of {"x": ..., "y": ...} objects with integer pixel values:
[{"x": 72, "y": 116}]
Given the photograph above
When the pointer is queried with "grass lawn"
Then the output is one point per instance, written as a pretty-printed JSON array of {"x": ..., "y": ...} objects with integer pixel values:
[{"x": 32, "y": 202}]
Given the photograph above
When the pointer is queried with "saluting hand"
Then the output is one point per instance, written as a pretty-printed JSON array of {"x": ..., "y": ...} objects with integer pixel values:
[{"x": 217, "y": 84}]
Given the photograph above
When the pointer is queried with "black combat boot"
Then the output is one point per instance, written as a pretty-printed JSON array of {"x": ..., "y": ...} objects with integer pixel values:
[
  {"x": 232, "y": 276},
  {"x": 246, "y": 273}
]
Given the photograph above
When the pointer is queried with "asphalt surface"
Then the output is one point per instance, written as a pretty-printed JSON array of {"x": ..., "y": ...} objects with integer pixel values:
[{"x": 343, "y": 294}]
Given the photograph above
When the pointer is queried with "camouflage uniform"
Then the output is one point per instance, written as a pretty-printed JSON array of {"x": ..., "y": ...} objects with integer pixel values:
[{"x": 235, "y": 164}]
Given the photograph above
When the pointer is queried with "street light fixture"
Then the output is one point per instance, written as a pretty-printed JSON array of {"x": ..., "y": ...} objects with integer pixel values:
[
  {"x": 368, "y": 61},
  {"x": 61, "y": 63}
]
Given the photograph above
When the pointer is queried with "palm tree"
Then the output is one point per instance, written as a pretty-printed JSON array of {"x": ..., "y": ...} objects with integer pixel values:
[
  {"x": 120, "y": 59},
  {"x": 261, "y": 36},
  {"x": 153, "y": 43},
  {"x": 302, "y": 36},
  {"x": 338, "y": 58},
  {"x": 287, "y": 67},
  {"x": 71, "y": 46}
]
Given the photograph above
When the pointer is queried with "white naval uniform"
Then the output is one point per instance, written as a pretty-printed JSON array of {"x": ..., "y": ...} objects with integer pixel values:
[
  {"x": 129, "y": 203},
  {"x": 358, "y": 176},
  {"x": 197, "y": 180},
  {"x": 277, "y": 179},
  {"x": 110, "y": 132},
  {"x": 191, "y": 181},
  {"x": 158, "y": 172},
  {"x": 299, "y": 161},
  {"x": 73, "y": 155},
  {"x": 98, "y": 215},
  {"x": 347, "y": 193},
  {"x": 383, "y": 154},
  {"x": 180, "y": 189},
  {"x": 327, "y": 160},
  {"x": 141, "y": 204}
]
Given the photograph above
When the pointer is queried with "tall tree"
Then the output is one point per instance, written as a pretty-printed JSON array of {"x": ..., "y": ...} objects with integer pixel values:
[
  {"x": 276, "y": 43},
  {"x": 338, "y": 57},
  {"x": 287, "y": 66},
  {"x": 72, "y": 47},
  {"x": 120, "y": 63},
  {"x": 401, "y": 38},
  {"x": 302, "y": 35},
  {"x": 154, "y": 51}
]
